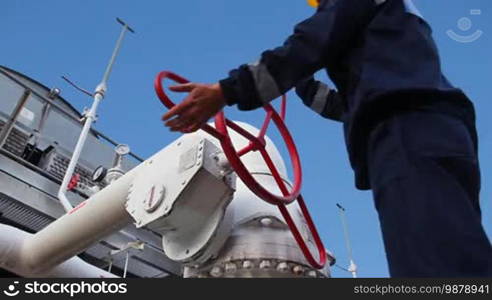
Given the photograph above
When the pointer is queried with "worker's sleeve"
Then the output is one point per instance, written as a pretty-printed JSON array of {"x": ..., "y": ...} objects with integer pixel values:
[
  {"x": 316, "y": 43},
  {"x": 319, "y": 97}
]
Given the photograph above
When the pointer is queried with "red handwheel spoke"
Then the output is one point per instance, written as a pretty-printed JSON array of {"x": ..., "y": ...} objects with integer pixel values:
[
  {"x": 276, "y": 174},
  {"x": 264, "y": 127},
  {"x": 314, "y": 231},
  {"x": 258, "y": 142},
  {"x": 322, "y": 255},
  {"x": 246, "y": 150},
  {"x": 290, "y": 222},
  {"x": 210, "y": 130},
  {"x": 283, "y": 107}
]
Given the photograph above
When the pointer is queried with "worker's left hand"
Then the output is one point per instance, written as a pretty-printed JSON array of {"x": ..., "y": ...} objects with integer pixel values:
[{"x": 202, "y": 103}]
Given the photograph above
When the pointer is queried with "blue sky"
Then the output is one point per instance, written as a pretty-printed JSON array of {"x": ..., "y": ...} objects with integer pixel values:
[{"x": 203, "y": 40}]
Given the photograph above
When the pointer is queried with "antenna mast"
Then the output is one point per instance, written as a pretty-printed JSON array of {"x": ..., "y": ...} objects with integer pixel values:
[{"x": 352, "y": 267}]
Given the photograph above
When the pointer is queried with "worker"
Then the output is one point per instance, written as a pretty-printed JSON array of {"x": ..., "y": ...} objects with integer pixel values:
[{"x": 409, "y": 132}]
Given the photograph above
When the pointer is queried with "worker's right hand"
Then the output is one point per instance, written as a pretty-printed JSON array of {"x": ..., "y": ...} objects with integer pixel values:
[{"x": 203, "y": 102}]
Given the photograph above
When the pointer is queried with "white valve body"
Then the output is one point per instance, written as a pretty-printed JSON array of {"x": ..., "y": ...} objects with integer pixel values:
[{"x": 260, "y": 244}]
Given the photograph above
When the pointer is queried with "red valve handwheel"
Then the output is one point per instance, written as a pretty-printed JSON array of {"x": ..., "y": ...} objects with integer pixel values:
[{"x": 258, "y": 143}]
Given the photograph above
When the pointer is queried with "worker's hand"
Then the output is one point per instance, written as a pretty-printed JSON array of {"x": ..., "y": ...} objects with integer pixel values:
[{"x": 202, "y": 103}]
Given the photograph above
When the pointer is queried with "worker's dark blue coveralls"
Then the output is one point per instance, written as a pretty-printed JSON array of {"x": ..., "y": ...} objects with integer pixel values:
[{"x": 410, "y": 134}]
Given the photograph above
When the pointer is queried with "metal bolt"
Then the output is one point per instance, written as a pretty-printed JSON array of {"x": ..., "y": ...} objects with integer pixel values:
[
  {"x": 247, "y": 264},
  {"x": 216, "y": 272},
  {"x": 266, "y": 222},
  {"x": 184, "y": 182},
  {"x": 265, "y": 264},
  {"x": 283, "y": 267},
  {"x": 298, "y": 270},
  {"x": 312, "y": 274},
  {"x": 179, "y": 144},
  {"x": 230, "y": 267}
]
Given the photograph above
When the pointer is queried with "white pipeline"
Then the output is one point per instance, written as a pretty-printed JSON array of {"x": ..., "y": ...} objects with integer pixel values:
[
  {"x": 52, "y": 251},
  {"x": 101, "y": 215},
  {"x": 12, "y": 241}
]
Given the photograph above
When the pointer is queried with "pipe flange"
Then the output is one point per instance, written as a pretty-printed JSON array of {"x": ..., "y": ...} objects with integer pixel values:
[{"x": 260, "y": 267}]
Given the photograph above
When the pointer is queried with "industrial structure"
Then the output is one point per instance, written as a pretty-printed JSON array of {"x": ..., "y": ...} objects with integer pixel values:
[
  {"x": 75, "y": 203},
  {"x": 39, "y": 130},
  {"x": 158, "y": 217}
]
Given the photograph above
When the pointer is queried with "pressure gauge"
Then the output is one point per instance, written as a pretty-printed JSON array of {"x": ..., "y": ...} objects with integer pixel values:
[
  {"x": 99, "y": 174},
  {"x": 122, "y": 149}
]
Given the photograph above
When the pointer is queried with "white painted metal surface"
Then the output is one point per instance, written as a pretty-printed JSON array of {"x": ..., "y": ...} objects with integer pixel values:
[
  {"x": 11, "y": 258},
  {"x": 185, "y": 201}
]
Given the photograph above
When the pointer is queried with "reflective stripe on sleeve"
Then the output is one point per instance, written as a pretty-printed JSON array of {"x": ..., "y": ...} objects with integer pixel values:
[
  {"x": 265, "y": 84},
  {"x": 320, "y": 99}
]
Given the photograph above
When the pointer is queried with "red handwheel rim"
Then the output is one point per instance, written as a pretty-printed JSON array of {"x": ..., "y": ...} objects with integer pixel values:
[
  {"x": 160, "y": 90},
  {"x": 167, "y": 102}
]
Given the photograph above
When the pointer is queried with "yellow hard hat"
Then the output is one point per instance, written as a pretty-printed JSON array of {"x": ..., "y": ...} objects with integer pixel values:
[{"x": 313, "y": 3}]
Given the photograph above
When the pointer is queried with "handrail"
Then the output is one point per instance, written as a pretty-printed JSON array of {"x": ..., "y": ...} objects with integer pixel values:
[
  {"x": 64, "y": 112},
  {"x": 4, "y": 133},
  {"x": 38, "y": 170}
]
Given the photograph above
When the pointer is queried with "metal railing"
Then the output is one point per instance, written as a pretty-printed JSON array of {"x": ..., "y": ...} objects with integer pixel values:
[
  {"x": 62, "y": 110},
  {"x": 10, "y": 125}
]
